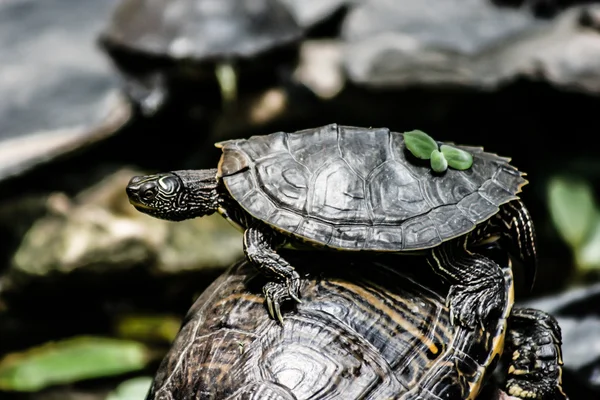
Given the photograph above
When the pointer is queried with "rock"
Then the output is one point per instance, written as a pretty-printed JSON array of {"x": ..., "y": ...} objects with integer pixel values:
[
  {"x": 58, "y": 92},
  {"x": 98, "y": 230},
  {"x": 470, "y": 44},
  {"x": 308, "y": 13},
  {"x": 578, "y": 315},
  {"x": 320, "y": 67}
]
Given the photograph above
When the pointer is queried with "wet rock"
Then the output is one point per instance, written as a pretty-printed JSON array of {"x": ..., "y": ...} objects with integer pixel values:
[
  {"x": 471, "y": 44},
  {"x": 58, "y": 92},
  {"x": 308, "y": 13},
  {"x": 578, "y": 314},
  {"x": 320, "y": 67},
  {"x": 99, "y": 231}
]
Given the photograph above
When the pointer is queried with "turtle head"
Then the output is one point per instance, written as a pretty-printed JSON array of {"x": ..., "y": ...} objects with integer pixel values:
[{"x": 176, "y": 195}]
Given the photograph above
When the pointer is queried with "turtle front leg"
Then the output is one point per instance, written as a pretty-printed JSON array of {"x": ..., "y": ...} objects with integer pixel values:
[
  {"x": 260, "y": 248},
  {"x": 519, "y": 233},
  {"x": 477, "y": 292},
  {"x": 533, "y": 356}
]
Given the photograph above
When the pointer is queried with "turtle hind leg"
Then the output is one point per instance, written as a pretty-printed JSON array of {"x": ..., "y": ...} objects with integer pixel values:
[
  {"x": 478, "y": 291},
  {"x": 518, "y": 232},
  {"x": 533, "y": 356},
  {"x": 260, "y": 246}
]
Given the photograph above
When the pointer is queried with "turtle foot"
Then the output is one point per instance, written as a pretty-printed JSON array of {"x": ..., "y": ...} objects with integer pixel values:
[
  {"x": 277, "y": 292},
  {"x": 475, "y": 303},
  {"x": 523, "y": 389}
]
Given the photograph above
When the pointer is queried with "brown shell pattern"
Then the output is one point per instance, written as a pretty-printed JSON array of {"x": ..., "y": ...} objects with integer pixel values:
[{"x": 375, "y": 338}]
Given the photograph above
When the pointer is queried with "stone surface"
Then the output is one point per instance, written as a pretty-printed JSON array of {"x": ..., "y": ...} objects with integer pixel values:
[
  {"x": 311, "y": 12},
  {"x": 99, "y": 230},
  {"x": 58, "y": 91},
  {"x": 470, "y": 43},
  {"x": 578, "y": 314}
]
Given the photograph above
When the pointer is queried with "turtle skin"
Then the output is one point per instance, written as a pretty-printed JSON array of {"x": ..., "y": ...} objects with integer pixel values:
[{"x": 376, "y": 335}]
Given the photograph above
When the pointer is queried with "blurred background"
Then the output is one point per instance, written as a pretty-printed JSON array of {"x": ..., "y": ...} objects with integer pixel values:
[{"x": 92, "y": 92}]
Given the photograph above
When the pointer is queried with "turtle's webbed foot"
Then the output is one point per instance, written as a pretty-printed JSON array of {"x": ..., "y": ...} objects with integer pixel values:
[
  {"x": 524, "y": 389},
  {"x": 278, "y": 292},
  {"x": 474, "y": 303},
  {"x": 533, "y": 356}
]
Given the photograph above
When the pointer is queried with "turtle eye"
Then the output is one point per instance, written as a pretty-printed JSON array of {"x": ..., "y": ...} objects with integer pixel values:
[{"x": 148, "y": 192}]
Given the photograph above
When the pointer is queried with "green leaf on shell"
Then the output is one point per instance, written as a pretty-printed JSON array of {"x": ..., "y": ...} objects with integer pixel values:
[
  {"x": 420, "y": 144},
  {"x": 69, "y": 361},
  {"x": 457, "y": 158},
  {"x": 438, "y": 161}
]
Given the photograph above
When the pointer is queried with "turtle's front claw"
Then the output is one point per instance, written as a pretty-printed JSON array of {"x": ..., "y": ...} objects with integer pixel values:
[
  {"x": 276, "y": 293},
  {"x": 293, "y": 285}
]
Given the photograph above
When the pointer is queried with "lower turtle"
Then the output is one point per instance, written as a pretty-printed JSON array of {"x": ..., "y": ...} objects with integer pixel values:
[
  {"x": 379, "y": 336},
  {"x": 357, "y": 190}
]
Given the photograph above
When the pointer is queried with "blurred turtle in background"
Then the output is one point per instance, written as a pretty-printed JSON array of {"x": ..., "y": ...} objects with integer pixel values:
[{"x": 199, "y": 48}]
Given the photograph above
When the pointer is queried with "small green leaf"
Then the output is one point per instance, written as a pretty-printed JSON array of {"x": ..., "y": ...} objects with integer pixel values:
[
  {"x": 227, "y": 79},
  {"x": 132, "y": 389},
  {"x": 457, "y": 158},
  {"x": 70, "y": 360},
  {"x": 572, "y": 209},
  {"x": 148, "y": 328},
  {"x": 420, "y": 144},
  {"x": 438, "y": 161},
  {"x": 587, "y": 255}
]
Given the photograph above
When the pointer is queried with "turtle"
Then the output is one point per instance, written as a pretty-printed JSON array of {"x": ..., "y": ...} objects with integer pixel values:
[
  {"x": 356, "y": 189},
  {"x": 381, "y": 336},
  {"x": 163, "y": 46}
]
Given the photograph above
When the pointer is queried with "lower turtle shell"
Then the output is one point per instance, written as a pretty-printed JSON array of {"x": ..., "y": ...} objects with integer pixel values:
[
  {"x": 352, "y": 337},
  {"x": 354, "y": 188}
]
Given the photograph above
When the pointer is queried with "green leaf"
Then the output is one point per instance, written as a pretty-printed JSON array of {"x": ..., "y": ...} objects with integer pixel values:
[
  {"x": 587, "y": 255},
  {"x": 132, "y": 389},
  {"x": 148, "y": 328},
  {"x": 227, "y": 79},
  {"x": 572, "y": 209},
  {"x": 457, "y": 158},
  {"x": 70, "y": 360},
  {"x": 438, "y": 161},
  {"x": 420, "y": 144}
]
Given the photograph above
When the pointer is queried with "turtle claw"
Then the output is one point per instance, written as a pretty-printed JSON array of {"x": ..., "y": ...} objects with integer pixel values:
[
  {"x": 294, "y": 297},
  {"x": 270, "y": 305},
  {"x": 278, "y": 313},
  {"x": 276, "y": 293},
  {"x": 293, "y": 286}
]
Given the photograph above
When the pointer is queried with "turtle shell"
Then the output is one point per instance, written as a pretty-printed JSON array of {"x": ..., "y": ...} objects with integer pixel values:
[
  {"x": 352, "y": 338},
  {"x": 355, "y": 188},
  {"x": 201, "y": 29}
]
